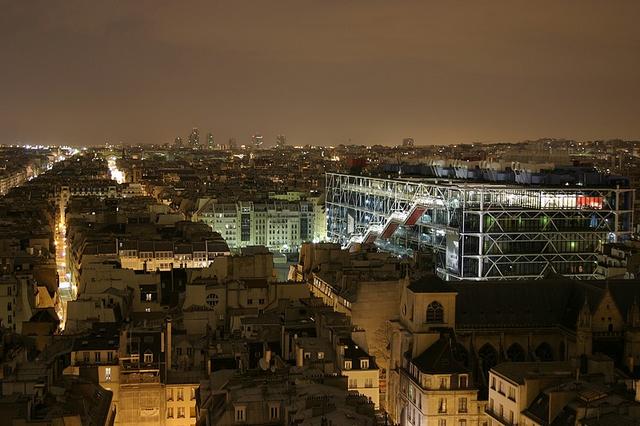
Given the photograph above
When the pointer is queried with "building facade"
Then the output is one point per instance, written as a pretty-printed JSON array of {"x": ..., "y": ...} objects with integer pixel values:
[
  {"x": 279, "y": 225},
  {"x": 481, "y": 231}
]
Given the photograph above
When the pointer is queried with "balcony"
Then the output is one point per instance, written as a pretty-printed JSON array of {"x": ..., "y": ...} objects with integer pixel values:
[{"x": 498, "y": 418}]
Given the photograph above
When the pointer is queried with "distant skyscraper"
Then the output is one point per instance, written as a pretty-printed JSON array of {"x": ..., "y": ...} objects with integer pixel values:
[
  {"x": 408, "y": 142},
  {"x": 194, "y": 138},
  {"x": 232, "y": 143},
  {"x": 210, "y": 141},
  {"x": 281, "y": 141},
  {"x": 177, "y": 142},
  {"x": 257, "y": 140}
]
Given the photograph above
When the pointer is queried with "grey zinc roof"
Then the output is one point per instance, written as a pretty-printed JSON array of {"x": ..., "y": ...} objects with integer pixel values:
[{"x": 439, "y": 359}]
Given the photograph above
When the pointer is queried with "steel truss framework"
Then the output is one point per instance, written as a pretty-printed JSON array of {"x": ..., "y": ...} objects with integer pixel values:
[{"x": 481, "y": 231}]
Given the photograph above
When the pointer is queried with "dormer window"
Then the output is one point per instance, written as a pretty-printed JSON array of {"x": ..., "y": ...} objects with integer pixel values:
[
  {"x": 347, "y": 365},
  {"x": 364, "y": 364},
  {"x": 435, "y": 313},
  {"x": 148, "y": 358},
  {"x": 463, "y": 381}
]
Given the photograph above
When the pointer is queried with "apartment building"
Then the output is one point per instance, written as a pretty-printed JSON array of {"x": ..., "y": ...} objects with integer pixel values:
[{"x": 279, "y": 225}]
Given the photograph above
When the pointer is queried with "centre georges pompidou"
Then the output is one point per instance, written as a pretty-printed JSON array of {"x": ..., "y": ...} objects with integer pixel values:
[{"x": 481, "y": 231}]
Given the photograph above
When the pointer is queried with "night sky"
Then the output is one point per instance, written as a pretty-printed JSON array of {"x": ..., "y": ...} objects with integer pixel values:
[{"x": 323, "y": 72}]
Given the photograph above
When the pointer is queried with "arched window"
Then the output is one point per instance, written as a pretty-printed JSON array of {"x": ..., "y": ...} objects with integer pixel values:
[
  {"x": 488, "y": 359},
  {"x": 515, "y": 353},
  {"x": 544, "y": 352},
  {"x": 435, "y": 313}
]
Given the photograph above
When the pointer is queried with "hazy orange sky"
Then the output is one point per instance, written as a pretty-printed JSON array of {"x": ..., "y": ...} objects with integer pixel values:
[{"x": 321, "y": 72}]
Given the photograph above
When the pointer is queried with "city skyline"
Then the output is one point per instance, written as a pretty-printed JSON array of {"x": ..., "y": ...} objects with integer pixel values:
[{"x": 322, "y": 74}]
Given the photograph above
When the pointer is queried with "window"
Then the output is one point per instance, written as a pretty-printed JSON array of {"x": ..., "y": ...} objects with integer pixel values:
[
  {"x": 181, "y": 412},
  {"x": 148, "y": 358},
  {"x": 501, "y": 411},
  {"x": 444, "y": 383},
  {"x": 463, "y": 381},
  {"x": 96, "y": 356},
  {"x": 368, "y": 383},
  {"x": 240, "y": 415},
  {"x": 148, "y": 297},
  {"x": 107, "y": 374},
  {"x": 500, "y": 389},
  {"x": 347, "y": 365},
  {"x": 307, "y": 355},
  {"x": 169, "y": 394},
  {"x": 180, "y": 395},
  {"x": 320, "y": 355},
  {"x": 179, "y": 351},
  {"x": 462, "y": 422},
  {"x": 249, "y": 301},
  {"x": 212, "y": 300},
  {"x": 85, "y": 357},
  {"x": 462, "y": 405},
  {"x": 442, "y": 422},
  {"x": 493, "y": 383},
  {"x": 353, "y": 383},
  {"x": 189, "y": 351},
  {"x": 261, "y": 301},
  {"x": 442, "y": 405},
  {"x": 364, "y": 364},
  {"x": 512, "y": 393},
  {"x": 435, "y": 313},
  {"x": 170, "y": 412},
  {"x": 8, "y": 306},
  {"x": 193, "y": 394},
  {"x": 274, "y": 412},
  {"x": 511, "y": 416},
  {"x": 109, "y": 356}
]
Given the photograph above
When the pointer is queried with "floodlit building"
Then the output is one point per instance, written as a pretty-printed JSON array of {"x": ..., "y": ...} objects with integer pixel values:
[
  {"x": 279, "y": 225},
  {"x": 478, "y": 230}
]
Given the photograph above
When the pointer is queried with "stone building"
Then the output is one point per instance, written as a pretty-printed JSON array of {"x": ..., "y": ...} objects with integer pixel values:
[{"x": 547, "y": 320}]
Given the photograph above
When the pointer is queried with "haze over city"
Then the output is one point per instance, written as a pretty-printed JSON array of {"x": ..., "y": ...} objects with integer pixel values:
[
  {"x": 325, "y": 73},
  {"x": 279, "y": 213}
]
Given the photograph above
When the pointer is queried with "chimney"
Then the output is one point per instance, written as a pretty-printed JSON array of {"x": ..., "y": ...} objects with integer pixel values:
[
  {"x": 299, "y": 356},
  {"x": 168, "y": 352}
]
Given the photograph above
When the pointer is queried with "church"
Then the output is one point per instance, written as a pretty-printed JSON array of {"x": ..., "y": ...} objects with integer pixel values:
[{"x": 450, "y": 334}]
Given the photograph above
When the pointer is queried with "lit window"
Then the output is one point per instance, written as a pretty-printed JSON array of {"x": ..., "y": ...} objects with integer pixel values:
[
  {"x": 170, "y": 412},
  {"x": 442, "y": 405},
  {"x": 462, "y": 405},
  {"x": 347, "y": 365},
  {"x": 107, "y": 374},
  {"x": 320, "y": 355},
  {"x": 148, "y": 358},
  {"x": 364, "y": 364}
]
